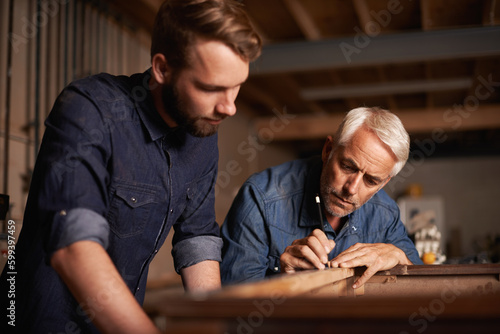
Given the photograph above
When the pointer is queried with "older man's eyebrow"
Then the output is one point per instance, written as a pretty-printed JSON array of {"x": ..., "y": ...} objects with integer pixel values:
[
  {"x": 351, "y": 163},
  {"x": 355, "y": 166},
  {"x": 376, "y": 179}
]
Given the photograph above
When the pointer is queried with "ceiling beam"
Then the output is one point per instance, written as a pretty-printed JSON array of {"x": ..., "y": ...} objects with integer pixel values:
[
  {"x": 385, "y": 88},
  {"x": 491, "y": 13},
  {"x": 304, "y": 21},
  {"x": 363, "y": 50},
  {"x": 363, "y": 12},
  {"x": 426, "y": 14},
  {"x": 458, "y": 118},
  {"x": 142, "y": 13}
]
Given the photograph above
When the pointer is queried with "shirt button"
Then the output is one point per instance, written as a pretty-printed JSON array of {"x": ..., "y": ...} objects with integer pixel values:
[
  {"x": 133, "y": 199},
  {"x": 171, "y": 210},
  {"x": 276, "y": 268},
  {"x": 62, "y": 213}
]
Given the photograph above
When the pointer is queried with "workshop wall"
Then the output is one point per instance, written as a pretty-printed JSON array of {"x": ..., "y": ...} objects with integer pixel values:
[{"x": 45, "y": 45}]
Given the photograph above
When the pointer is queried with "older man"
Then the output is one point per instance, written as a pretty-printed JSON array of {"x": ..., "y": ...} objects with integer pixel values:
[{"x": 331, "y": 209}]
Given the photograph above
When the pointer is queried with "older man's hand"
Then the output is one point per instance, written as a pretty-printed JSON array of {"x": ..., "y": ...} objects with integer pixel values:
[
  {"x": 307, "y": 253},
  {"x": 375, "y": 257}
]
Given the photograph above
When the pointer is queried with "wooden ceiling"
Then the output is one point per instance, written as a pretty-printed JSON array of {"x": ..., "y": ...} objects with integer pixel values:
[{"x": 436, "y": 63}]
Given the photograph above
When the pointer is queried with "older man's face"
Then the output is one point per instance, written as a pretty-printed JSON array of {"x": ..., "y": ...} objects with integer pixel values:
[{"x": 355, "y": 172}]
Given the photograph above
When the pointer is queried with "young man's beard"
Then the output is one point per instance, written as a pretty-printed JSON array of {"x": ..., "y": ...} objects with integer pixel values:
[{"x": 175, "y": 107}]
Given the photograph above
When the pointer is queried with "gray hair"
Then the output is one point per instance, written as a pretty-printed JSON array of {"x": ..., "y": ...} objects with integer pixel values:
[{"x": 386, "y": 125}]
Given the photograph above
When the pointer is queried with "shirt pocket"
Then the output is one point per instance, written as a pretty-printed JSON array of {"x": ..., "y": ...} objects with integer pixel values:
[
  {"x": 130, "y": 210},
  {"x": 196, "y": 194}
]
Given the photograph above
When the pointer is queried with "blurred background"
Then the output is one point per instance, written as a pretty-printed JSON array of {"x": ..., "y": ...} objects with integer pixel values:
[{"x": 435, "y": 63}]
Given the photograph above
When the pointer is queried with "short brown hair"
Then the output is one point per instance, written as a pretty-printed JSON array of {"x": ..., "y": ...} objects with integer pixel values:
[{"x": 180, "y": 22}]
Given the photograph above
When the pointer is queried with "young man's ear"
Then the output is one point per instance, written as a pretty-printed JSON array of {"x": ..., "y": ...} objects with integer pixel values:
[{"x": 160, "y": 69}]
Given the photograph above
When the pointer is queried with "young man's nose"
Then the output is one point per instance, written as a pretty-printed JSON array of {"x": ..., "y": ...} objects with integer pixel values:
[{"x": 226, "y": 105}]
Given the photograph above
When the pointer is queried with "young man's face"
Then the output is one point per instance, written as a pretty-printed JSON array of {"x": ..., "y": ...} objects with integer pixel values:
[
  {"x": 201, "y": 95},
  {"x": 355, "y": 172}
]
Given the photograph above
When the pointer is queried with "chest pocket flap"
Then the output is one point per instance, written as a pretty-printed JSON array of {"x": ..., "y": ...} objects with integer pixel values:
[
  {"x": 135, "y": 198},
  {"x": 130, "y": 210}
]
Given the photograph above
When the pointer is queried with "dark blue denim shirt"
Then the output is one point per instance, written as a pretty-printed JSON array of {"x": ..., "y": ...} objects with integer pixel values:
[
  {"x": 277, "y": 206},
  {"x": 110, "y": 170}
]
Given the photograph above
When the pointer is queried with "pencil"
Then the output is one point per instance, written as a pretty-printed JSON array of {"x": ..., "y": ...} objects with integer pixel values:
[{"x": 318, "y": 202}]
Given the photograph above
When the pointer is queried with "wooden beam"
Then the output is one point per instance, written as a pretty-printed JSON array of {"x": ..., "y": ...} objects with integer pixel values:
[
  {"x": 359, "y": 51},
  {"x": 426, "y": 17},
  {"x": 429, "y": 98},
  {"x": 304, "y": 21},
  {"x": 491, "y": 12},
  {"x": 363, "y": 12},
  {"x": 391, "y": 101},
  {"x": 457, "y": 118},
  {"x": 385, "y": 88},
  {"x": 141, "y": 13}
]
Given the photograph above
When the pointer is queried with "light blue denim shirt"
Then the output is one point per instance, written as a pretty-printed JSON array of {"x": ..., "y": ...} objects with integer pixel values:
[{"x": 277, "y": 206}]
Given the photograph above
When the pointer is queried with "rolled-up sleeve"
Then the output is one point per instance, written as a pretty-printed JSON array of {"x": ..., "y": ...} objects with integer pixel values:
[
  {"x": 191, "y": 251},
  {"x": 197, "y": 234},
  {"x": 71, "y": 174},
  {"x": 76, "y": 225}
]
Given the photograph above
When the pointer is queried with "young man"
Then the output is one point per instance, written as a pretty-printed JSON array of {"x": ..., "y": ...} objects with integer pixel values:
[
  {"x": 273, "y": 223},
  {"x": 123, "y": 160}
]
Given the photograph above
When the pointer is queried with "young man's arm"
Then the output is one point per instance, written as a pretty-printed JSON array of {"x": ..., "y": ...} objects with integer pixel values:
[
  {"x": 92, "y": 278},
  {"x": 203, "y": 276}
]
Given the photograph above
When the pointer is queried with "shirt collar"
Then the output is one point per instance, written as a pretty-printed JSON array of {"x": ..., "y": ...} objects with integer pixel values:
[{"x": 154, "y": 124}]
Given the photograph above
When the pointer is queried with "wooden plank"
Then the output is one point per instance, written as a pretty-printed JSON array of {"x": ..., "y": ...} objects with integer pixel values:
[
  {"x": 445, "y": 287},
  {"x": 336, "y": 289},
  {"x": 447, "y": 309},
  {"x": 337, "y": 282},
  {"x": 303, "y": 307},
  {"x": 286, "y": 285},
  {"x": 441, "y": 281},
  {"x": 443, "y": 269}
]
